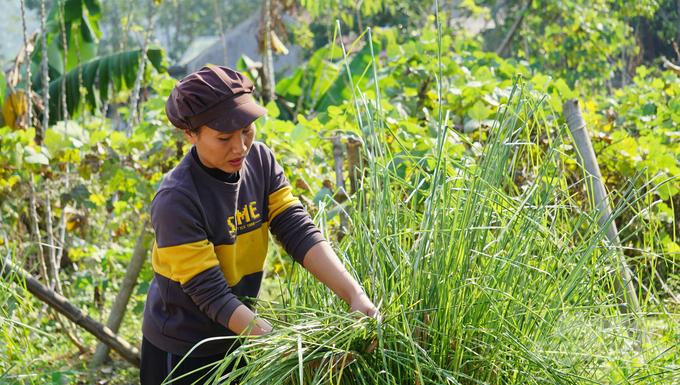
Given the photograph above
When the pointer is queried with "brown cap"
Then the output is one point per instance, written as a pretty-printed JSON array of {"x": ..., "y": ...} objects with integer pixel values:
[{"x": 217, "y": 97}]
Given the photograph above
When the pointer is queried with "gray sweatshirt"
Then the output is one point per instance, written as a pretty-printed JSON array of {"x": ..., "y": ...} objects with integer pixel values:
[{"x": 211, "y": 245}]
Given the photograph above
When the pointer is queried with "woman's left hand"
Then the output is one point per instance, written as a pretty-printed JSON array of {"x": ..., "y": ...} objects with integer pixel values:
[{"x": 360, "y": 302}]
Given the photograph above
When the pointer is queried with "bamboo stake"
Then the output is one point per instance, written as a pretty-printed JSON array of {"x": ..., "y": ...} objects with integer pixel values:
[
  {"x": 55, "y": 283},
  {"x": 62, "y": 230},
  {"x": 140, "y": 72},
  {"x": 270, "y": 85},
  {"x": 600, "y": 201},
  {"x": 27, "y": 62},
  {"x": 35, "y": 228},
  {"x": 123, "y": 297},
  {"x": 75, "y": 314},
  {"x": 63, "y": 77},
  {"x": 81, "y": 89},
  {"x": 223, "y": 38},
  {"x": 45, "y": 73}
]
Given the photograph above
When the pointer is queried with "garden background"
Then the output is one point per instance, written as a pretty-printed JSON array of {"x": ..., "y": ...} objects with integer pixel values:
[{"x": 428, "y": 141}]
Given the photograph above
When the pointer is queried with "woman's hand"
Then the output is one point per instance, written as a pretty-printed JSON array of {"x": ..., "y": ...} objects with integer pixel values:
[
  {"x": 360, "y": 302},
  {"x": 244, "y": 320},
  {"x": 322, "y": 262}
]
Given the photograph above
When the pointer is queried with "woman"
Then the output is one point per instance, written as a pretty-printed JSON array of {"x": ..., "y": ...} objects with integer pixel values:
[{"x": 211, "y": 215}]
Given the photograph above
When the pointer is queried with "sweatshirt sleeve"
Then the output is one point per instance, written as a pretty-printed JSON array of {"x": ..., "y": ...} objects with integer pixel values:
[
  {"x": 289, "y": 222},
  {"x": 183, "y": 254}
]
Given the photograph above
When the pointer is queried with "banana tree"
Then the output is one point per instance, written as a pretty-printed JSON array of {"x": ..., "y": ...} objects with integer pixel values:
[
  {"x": 117, "y": 71},
  {"x": 78, "y": 21}
]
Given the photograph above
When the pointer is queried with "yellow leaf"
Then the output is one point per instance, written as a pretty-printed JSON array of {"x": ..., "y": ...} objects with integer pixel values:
[
  {"x": 13, "y": 180},
  {"x": 591, "y": 106},
  {"x": 278, "y": 45},
  {"x": 97, "y": 199},
  {"x": 14, "y": 109}
]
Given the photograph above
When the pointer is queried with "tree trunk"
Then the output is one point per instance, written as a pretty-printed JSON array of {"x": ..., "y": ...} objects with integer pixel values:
[
  {"x": 79, "y": 316},
  {"x": 123, "y": 297},
  {"x": 628, "y": 303},
  {"x": 514, "y": 28}
]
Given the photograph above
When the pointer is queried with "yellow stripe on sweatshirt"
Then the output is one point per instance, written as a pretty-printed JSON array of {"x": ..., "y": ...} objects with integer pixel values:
[
  {"x": 280, "y": 200},
  {"x": 246, "y": 257},
  {"x": 183, "y": 262}
]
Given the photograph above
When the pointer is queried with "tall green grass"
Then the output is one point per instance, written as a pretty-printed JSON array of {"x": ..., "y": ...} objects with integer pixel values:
[
  {"x": 18, "y": 358},
  {"x": 478, "y": 280}
]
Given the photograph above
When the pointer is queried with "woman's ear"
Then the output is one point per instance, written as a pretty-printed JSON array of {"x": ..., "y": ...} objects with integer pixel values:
[{"x": 192, "y": 137}]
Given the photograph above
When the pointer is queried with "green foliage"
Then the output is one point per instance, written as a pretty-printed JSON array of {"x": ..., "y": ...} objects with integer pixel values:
[
  {"x": 486, "y": 285},
  {"x": 635, "y": 131},
  {"x": 473, "y": 231},
  {"x": 118, "y": 71},
  {"x": 80, "y": 22}
]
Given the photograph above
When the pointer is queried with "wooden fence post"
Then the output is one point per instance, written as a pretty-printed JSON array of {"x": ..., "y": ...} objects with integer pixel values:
[
  {"x": 353, "y": 163},
  {"x": 339, "y": 160},
  {"x": 600, "y": 200}
]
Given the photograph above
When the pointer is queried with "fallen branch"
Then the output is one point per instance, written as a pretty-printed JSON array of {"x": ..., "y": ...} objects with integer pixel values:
[{"x": 75, "y": 314}]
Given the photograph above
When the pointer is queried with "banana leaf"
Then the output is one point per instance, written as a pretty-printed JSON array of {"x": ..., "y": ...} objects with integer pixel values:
[
  {"x": 80, "y": 14},
  {"x": 119, "y": 70}
]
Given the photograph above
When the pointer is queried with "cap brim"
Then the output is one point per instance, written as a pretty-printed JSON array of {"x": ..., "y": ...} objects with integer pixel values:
[{"x": 237, "y": 118}]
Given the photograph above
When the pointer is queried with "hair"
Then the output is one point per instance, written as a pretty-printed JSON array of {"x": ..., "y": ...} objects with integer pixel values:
[{"x": 194, "y": 131}]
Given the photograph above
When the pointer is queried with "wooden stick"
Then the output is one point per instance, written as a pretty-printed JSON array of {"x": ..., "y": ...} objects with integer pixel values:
[
  {"x": 600, "y": 200},
  {"x": 123, "y": 297},
  {"x": 75, "y": 314},
  {"x": 353, "y": 163},
  {"x": 339, "y": 159}
]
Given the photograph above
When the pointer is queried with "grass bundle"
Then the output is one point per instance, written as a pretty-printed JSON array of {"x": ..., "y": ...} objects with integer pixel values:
[{"x": 479, "y": 280}]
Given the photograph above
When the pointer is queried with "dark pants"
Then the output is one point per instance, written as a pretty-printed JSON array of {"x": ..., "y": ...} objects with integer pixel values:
[{"x": 157, "y": 364}]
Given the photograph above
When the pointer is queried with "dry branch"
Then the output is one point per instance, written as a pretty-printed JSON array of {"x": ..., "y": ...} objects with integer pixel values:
[
  {"x": 75, "y": 314},
  {"x": 670, "y": 66}
]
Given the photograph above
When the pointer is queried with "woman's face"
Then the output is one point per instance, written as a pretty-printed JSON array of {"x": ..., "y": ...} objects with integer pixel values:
[{"x": 224, "y": 151}]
